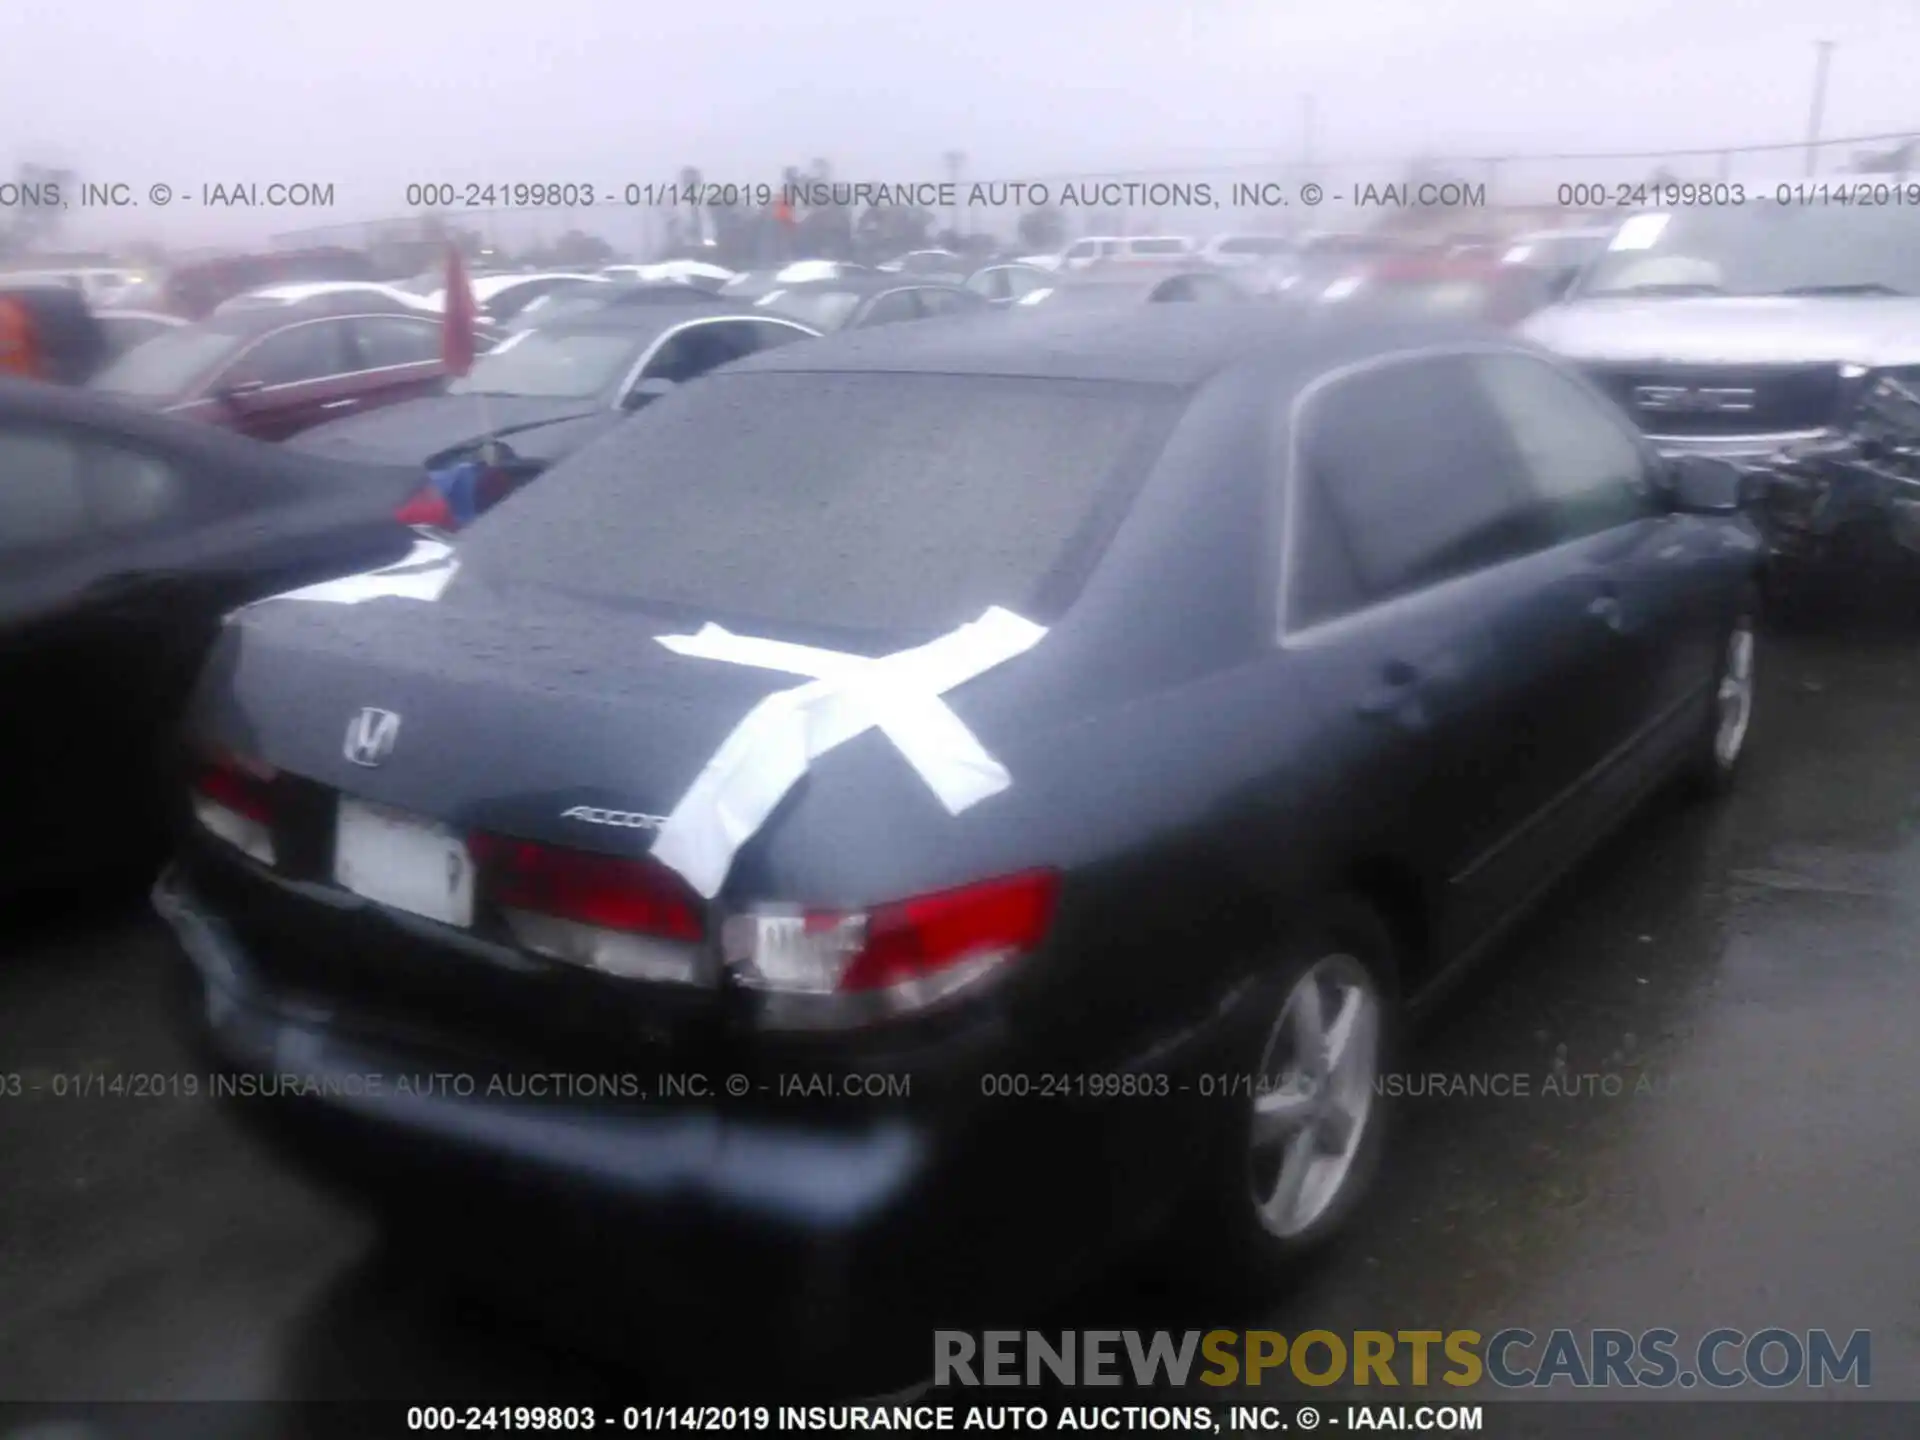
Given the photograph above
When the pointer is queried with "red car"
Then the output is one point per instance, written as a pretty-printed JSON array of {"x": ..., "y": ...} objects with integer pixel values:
[{"x": 272, "y": 373}]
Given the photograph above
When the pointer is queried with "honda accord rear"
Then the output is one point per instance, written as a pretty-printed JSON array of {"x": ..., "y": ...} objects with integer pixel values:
[
  {"x": 420, "y": 863},
  {"x": 909, "y": 813}
]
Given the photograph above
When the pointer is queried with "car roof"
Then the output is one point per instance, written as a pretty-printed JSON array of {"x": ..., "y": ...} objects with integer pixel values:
[
  {"x": 1178, "y": 345},
  {"x": 642, "y": 320},
  {"x": 258, "y": 320},
  {"x": 485, "y": 287},
  {"x": 868, "y": 283},
  {"x": 297, "y": 290}
]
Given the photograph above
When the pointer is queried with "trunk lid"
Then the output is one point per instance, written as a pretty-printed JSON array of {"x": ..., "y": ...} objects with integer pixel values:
[{"x": 513, "y": 708}]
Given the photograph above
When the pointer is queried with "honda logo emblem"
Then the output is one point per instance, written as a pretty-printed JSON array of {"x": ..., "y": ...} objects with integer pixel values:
[
  {"x": 371, "y": 736},
  {"x": 1681, "y": 399}
]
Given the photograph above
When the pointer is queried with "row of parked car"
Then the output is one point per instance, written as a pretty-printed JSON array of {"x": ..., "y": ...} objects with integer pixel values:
[{"x": 570, "y": 352}]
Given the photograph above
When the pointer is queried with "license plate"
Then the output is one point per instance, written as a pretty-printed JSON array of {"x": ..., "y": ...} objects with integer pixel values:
[{"x": 403, "y": 861}]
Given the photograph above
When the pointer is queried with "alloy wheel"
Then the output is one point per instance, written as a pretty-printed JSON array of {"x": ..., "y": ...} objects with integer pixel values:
[
  {"x": 1734, "y": 700},
  {"x": 1315, "y": 1095}
]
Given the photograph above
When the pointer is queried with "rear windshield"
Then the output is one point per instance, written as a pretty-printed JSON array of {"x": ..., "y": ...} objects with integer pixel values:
[
  {"x": 879, "y": 504},
  {"x": 551, "y": 365}
]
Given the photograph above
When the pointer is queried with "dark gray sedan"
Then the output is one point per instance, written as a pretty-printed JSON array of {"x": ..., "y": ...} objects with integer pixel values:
[{"x": 1073, "y": 748}]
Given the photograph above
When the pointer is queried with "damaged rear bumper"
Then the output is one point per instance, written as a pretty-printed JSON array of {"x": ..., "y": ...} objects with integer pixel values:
[
  {"x": 1862, "y": 479},
  {"x": 841, "y": 1226}
]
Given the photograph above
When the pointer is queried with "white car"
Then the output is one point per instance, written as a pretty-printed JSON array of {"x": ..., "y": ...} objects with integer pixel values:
[
  {"x": 1243, "y": 251},
  {"x": 925, "y": 262},
  {"x": 501, "y": 297},
  {"x": 104, "y": 286},
  {"x": 1105, "y": 249},
  {"x": 273, "y": 295},
  {"x": 802, "y": 271},
  {"x": 681, "y": 272}
]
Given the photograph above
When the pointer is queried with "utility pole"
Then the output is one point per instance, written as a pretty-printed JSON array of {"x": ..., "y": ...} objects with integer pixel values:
[
  {"x": 1306, "y": 148},
  {"x": 956, "y": 165},
  {"x": 1823, "y": 52}
]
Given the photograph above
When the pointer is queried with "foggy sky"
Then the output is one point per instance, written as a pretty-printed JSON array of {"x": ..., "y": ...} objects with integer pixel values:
[{"x": 372, "y": 94}]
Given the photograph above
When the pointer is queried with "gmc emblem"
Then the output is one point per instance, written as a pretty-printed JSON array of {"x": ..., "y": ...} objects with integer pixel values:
[{"x": 1682, "y": 399}]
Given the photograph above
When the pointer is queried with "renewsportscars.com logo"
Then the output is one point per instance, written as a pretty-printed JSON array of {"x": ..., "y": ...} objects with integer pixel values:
[{"x": 1723, "y": 1359}]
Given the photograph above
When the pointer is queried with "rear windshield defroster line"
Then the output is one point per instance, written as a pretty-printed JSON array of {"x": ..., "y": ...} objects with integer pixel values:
[{"x": 879, "y": 504}]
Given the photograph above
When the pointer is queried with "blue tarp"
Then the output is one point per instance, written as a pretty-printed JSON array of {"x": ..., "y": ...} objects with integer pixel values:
[{"x": 459, "y": 485}]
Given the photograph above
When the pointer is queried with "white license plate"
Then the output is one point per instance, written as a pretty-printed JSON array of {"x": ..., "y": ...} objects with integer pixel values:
[{"x": 403, "y": 861}]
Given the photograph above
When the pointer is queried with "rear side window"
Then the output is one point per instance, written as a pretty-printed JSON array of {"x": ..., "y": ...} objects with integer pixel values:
[
  {"x": 310, "y": 351},
  {"x": 694, "y": 351},
  {"x": 873, "y": 503},
  {"x": 1157, "y": 247},
  {"x": 989, "y": 284},
  {"x": 1419, "y": 475},
  {"x": 386, "y": 340},
  {"x": 1581, "y": 462},
  {"x": 43, "y": 502},
  {"x": 58, "y": 489},
  {"x": 128, "y": 490},
  {"x": 891, "y": 309}
]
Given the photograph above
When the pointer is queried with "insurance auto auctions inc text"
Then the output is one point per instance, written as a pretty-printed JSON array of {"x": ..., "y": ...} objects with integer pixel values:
[{"x": 1723, "y": 1359}]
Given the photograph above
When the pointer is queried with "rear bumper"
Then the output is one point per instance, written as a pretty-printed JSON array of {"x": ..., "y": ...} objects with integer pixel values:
[{"x": 843, "y": 1224}]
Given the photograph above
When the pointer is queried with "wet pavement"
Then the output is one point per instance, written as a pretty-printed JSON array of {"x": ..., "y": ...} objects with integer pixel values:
[{"x": 1693, "y": 1104}]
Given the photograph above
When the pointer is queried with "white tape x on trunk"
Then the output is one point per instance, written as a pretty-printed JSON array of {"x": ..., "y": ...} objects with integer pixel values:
[
  {"x": 770, "y": 749},
  {"x": 422, "y": 575}
]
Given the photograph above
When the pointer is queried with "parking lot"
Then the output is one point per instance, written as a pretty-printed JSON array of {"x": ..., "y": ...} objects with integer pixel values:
[{"x": 1712, "y": 1025}]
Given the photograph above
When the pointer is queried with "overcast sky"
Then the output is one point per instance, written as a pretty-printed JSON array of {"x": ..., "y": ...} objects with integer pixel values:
[{"x": 373, "y": 94}]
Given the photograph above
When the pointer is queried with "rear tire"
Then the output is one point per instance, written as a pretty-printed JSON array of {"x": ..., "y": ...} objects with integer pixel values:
[
  {"x": 1295, "y": 1154},
  {"x": 1722, "y": 744}
]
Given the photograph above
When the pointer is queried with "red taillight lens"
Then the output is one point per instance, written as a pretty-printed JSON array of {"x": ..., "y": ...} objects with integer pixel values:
[
  {"x": 429, "y": 507},
  {"x": 608, "y": 892},
  {"x": 238, "y": 786},
  {"x": 233, "y": 798},
  {"x": 914, "y": 938},
  {"x": 898, "y": 957}
]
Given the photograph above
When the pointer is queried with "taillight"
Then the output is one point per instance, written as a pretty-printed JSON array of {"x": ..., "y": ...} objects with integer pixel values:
[
  {"x": 633, "y": 918},
  {"x": 429, "y": 508},
  {"x": 896, "y": 957},
  {"x": 233, "y": 798}
]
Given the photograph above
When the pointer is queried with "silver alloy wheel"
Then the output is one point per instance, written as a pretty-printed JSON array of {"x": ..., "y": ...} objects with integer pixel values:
[
  {"x": 1734, "y": 702},
  {"x": 1315, "y": 1094}
]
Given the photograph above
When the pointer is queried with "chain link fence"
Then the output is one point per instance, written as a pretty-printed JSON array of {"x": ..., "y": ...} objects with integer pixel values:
[{"x": 1460, "y": 194}]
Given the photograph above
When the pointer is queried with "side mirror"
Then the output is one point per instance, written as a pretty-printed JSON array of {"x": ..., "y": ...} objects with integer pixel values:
[
  {"x": 645, "y": 393},
  {"x": 1703, "y": 485}
]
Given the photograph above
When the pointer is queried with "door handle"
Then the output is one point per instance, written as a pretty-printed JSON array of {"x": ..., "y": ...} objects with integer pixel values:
[{"x": 338, "y": 404}]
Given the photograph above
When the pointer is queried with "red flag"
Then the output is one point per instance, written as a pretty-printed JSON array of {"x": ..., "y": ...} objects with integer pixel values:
[{"x": 457, "y": 318}]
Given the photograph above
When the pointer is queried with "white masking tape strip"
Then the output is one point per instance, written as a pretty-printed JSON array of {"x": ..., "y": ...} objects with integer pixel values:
[
  {"x": 769, "y": 750},
  {"x": 422, "y": 575}
]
